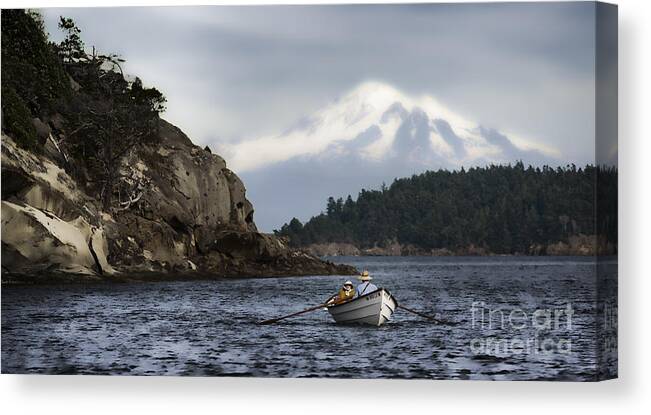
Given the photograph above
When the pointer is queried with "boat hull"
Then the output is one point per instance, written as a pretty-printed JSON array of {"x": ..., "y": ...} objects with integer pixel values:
[{"x": 374, "y": 309}]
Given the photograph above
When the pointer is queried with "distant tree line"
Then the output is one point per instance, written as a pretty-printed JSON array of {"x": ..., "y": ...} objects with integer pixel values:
[{"x": 502, "y": 208}]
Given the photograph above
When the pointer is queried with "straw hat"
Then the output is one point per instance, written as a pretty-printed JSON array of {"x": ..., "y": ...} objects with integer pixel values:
[{"x": 364, "y": 276}]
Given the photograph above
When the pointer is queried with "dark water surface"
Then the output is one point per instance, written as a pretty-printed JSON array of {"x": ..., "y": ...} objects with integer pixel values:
[{"x": 209, "y": 328}]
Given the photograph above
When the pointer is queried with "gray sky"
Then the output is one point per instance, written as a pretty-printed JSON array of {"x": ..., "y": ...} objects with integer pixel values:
[
  {"x": 233, "y": 73},
  {"x": 237, "y": 76}
]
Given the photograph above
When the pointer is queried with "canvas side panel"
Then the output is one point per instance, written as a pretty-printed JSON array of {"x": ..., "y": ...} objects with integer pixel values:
[{"x": 606, "y": 186}]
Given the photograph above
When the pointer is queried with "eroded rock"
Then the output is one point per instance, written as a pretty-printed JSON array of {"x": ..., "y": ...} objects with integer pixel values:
[{"x": 46, "y": 241}]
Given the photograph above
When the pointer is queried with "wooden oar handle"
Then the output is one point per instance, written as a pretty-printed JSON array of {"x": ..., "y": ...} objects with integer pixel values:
[
  {"x": 420, "y": 314},
  {"x": 307, "y": 310}
]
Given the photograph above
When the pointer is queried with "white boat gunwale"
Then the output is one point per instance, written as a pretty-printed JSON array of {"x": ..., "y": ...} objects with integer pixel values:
[{"x": 366, "y": 295}]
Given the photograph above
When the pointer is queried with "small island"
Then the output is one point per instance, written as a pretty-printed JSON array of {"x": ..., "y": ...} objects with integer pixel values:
[{"x": 494, "y": 210}]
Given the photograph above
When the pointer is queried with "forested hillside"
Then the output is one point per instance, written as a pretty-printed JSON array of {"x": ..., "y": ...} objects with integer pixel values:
[{"x": 504, "y": 209}]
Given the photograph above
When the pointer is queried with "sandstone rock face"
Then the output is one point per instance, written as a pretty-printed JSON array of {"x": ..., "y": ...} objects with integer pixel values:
[
  {"x": 190, "y": 185},
  {"x": 47, "y": 223},
  {"x": 179, "y": 214},
  {"x": 46, "y": 242}
]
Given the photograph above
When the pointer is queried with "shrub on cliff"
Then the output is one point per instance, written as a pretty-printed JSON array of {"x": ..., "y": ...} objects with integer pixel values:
[
  {"x": 33, "y": 78},
  {"x": 17, "y": 119},
  {"x": 103, "y": 119},
  {"x": 109, "y": 115},
  {"x": 106, "y": 126}
]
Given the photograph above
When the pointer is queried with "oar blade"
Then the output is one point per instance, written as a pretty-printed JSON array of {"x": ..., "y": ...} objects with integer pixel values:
[{"x": 425, "y": 316}]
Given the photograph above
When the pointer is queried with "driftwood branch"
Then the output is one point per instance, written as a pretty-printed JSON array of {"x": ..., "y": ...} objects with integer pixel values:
[
  {"x": 126, "y": 205},
  {"x": 140, "y": 187},
  {"x": 56, "y": 145}
]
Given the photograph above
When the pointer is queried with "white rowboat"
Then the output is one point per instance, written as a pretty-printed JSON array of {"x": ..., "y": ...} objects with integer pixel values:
[{"x": 375, "y": 308}]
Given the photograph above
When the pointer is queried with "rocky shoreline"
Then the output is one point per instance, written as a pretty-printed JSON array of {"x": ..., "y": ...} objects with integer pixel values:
[
  {"x": 576, "y": 245},
  {"x": 310, "y": 267}
]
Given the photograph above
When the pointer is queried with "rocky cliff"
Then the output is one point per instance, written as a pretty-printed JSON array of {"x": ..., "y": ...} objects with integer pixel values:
[
  {"x": 95, "y": 185},
  {"x": 183, "y": 214}
]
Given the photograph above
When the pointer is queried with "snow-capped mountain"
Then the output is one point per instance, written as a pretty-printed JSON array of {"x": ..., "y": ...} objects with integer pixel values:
[
  {"x": 371, "y": 135},
  {"x": 377, "y": 122}
]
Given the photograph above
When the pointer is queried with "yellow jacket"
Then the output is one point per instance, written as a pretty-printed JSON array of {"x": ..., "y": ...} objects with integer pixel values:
[{"x": 344, "y": 295}]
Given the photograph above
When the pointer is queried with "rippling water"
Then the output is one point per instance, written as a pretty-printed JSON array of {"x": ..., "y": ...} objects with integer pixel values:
[{"x": 209, "y": 328}]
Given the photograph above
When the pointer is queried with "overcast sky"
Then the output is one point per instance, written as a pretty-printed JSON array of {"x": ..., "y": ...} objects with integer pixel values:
[{"x": 233, "y": 73}]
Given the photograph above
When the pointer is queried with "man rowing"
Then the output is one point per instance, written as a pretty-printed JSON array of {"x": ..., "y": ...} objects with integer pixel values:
[{"x": 366, "y": 286}]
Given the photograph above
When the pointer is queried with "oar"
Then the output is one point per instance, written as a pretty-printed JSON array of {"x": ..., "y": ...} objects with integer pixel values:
[
  {"x": 307, "y": 310},
  {"x": 422, "y": 315}
]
